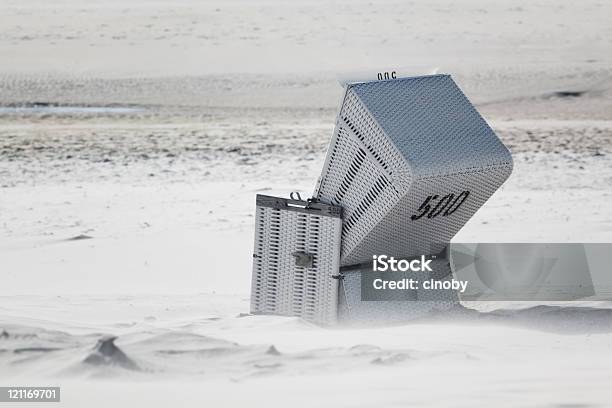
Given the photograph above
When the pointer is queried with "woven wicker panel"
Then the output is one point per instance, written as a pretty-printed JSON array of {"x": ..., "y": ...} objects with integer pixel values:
[
  {"x": 279, "y": 285},
  {"x": 396, "y": 234},
  {"x": 395, "y": 144},
  {"x": 432, "y": 124}
]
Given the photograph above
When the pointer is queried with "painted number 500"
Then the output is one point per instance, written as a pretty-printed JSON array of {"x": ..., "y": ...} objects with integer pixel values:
[{"x": 435, "y": 205}]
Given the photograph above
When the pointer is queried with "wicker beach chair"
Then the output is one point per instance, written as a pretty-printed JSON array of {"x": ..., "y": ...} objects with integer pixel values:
[{"x": 410, "y": 162}]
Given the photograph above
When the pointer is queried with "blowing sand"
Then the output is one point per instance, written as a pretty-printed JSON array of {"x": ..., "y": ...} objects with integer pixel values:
[{"x": 134, "y": 137}]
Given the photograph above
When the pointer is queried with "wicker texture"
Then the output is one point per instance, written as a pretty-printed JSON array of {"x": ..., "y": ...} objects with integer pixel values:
[
  {"x": 279, "y": 286},
  {"x": 396, "y": 143}
]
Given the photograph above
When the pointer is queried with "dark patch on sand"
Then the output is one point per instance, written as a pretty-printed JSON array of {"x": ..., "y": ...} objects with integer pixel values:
[
  {"x": 107, "y": 353},
  {"x": 79, "y": 237},
  {"x": 35, "y": 350},
  {"x": 272, "y": 351},
  {"x": 568, "y": 94}
]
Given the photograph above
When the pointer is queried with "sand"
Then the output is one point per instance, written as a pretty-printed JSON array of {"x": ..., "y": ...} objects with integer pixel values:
[{"x": 134, "y": 137}]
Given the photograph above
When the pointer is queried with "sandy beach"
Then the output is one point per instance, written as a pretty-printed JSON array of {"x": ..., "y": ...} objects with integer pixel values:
[{"x": 134, "y": 137}]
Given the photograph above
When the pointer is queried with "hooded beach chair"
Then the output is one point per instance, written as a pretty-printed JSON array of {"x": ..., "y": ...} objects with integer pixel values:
[{"x": 409, "y": 163}]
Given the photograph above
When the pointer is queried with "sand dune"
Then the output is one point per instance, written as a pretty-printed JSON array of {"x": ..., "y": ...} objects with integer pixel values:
[{"x": 190, "y": 341}]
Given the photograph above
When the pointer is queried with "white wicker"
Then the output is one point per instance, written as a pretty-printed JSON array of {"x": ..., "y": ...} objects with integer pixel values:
[
  {"x": 395, "y": 144},
  {"x": 296, "y": 256},
  {"x": 409, "y": 163}
]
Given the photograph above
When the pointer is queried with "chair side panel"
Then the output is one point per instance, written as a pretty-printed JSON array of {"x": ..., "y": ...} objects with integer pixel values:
[{"x": 279, "y": 286}]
